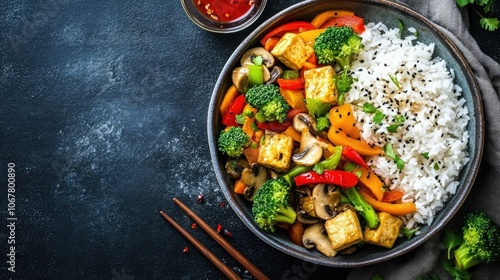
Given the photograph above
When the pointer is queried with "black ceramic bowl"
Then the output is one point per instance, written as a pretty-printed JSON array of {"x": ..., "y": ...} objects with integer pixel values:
[{"x": 371, "y": 11}]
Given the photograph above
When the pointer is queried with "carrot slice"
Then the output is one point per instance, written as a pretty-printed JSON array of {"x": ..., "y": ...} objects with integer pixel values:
[{"x": 239, "y": 187}]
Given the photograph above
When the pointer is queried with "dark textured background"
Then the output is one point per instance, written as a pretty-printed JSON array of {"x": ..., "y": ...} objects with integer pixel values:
[{"x": 103, "y": 110}]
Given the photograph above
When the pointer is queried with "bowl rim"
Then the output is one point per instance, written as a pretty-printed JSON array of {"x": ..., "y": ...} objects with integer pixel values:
[
  {"x": 416, "y": 241},
  {"x": 201, "y": 21}
]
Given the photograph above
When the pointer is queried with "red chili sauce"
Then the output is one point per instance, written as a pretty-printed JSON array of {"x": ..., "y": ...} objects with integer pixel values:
[{"x": 224, "y": 10}]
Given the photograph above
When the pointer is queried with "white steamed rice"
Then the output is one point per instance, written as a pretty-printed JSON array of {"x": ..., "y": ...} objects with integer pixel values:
[{"x": 434, "y": 111}]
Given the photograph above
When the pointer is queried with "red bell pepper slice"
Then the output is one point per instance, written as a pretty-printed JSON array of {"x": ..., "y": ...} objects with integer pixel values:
[
  {"x": 340, "y": 178},
  {"x": 275, "y": 126},
  {"x": 294, "y": 84},
  {"x": 235, "y": 108},
  {"x": 294, "y": 27},
  {"x": 355, "y": 22},
  {"x": 293, "y": 112},
  {"x": 351, "y": 154}
]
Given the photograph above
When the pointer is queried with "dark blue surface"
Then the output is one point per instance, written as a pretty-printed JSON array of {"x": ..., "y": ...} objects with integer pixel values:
[{"x": 102, "y": 111}]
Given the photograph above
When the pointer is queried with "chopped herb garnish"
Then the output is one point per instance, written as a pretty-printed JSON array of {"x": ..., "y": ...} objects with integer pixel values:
[
  {"x": 425, "y": 155},
  {"x": 379, "y": 116},
  {"x": 408, "y": 232},
  {"x": 436, "y": 166},
  {"x": 322, "y": 123},
  {"x": 369, "y": 108},
  {"x": 394, "y": 127},
  {"x": 395, "y": 80},
  {"x": 317, "y": 108},
  {"x": 389, "y": 151},
  {"x": 401, "y": 27},
  {"x": 416, "y": 33}
]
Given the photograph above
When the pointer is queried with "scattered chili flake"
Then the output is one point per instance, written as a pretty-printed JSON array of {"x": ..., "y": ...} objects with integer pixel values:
[
  {"x": 193, "y": 225},
  {"x": 200, "y": 199},
  {"x": 185, "y": 250},
  {"x": 219, "y": 228},
  {"x": 228, "y": 233},
  {"x": 222, "y": 204}
]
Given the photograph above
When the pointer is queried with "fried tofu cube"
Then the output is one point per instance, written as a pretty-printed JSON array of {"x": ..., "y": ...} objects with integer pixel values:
[
  {"x": 344, "y": 230},
  {"x": 276, "y": 151},
  {"x": 386, "y": 233},
  {"x": 292, "y": 51},
  {"x": 320, "y": 84}
]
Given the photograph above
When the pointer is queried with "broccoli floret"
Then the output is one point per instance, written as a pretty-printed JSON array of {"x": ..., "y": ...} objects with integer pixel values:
[
  {"x": 481, "y": 242},
  {"x": 268, "y": 99},
  {"x": 271, "y": 204},
  {"x": 232, "y": 141},
  {"x": 337, "y": 44}
]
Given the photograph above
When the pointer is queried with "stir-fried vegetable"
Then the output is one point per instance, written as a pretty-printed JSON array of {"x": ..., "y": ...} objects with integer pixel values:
[{"x": 295, "y": 146}]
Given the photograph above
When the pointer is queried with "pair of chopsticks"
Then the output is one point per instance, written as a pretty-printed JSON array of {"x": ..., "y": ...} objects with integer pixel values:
[{"x": 256, "y": 272}]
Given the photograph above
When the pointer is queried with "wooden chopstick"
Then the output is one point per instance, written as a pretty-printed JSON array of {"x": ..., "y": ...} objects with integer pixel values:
[
  {"x": 255, "y": 271},
  {"x": 204, "y": 250}
]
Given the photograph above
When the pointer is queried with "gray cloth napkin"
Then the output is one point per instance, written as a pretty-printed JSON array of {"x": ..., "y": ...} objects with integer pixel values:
[{"x": 485, "y": 194}]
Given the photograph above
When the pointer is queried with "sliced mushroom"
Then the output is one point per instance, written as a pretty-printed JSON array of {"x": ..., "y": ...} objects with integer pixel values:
[
  {"x": 253, "y": 178},
  {"x": 311, "y": 149},
  {"x": 314, "y": 237},
  {"x": 234, "y": 167},
  {"x": 267, "y": 58},
  {"x": 276, "y": 72},
  {"x": 309, "y": 156},
  {"x": 240, "y": 77},
  {"x": 305, "y": 218},
  {"x": 325, "y": 198},
  {"x": 303, "y": 120}
]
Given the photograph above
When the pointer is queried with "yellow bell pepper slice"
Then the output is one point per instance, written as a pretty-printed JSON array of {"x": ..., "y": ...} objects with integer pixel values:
[
  {"x": 290, "y": 131},
  {"x": 371, "y": 181},
  {"x": 311, "y": 35},
  {"x": 321, "y": 18},
  {"x": 294, "y": 98},
  {"x": 396, "y": 209},
  {"x": 343, "y": 117},
  {"x": 339, "y": 137}
]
